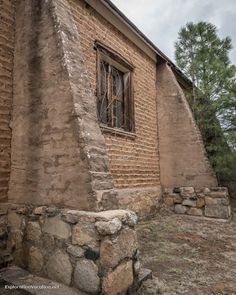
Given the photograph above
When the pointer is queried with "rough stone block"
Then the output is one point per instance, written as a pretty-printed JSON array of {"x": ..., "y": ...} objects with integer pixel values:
[
  {"x": 59, "y": 267},
  {"x": 143, "y": 202},
  {"x": 113, "y": 251},
  {"x": 189, "y": 203},
  {"x": 180, "y": 209},
  {"x": 206, "y": 191},
  {"x": 195, "y": 212},
  {"x": 200, "y": 202},
  {"x": 186, "y": 192},
  {"x": 218, "y": 192},
  {"x": 33, "y": 231},
  {"x": 211, "y": 201},
  {"x": 75, "y": 251},
  {"x": 74, "y": 216},
  {"x": 107, "y": 199},
  {"x": 35, "y": 260},
  {"x": 109, "y": 227},
  {"x": 84, "y": 234},
  {"x": 131, "y": 218},
  {"x": 86, "y": 276},
  {"x": 102, "y": 181},
  {"x": 215, "y": 201},
  {"x": 119, "y": 280},
  {"x": 39, "y": 210},
  {"x": 56, "y": 227},
  {"x": 217, "y": 211}
]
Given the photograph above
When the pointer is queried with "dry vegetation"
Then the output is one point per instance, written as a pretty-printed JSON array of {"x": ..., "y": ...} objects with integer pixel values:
[{"x": 188, "y": 255}]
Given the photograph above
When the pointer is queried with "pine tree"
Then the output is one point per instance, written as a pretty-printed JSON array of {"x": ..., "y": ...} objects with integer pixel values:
[{"x": 204, "y": 58}]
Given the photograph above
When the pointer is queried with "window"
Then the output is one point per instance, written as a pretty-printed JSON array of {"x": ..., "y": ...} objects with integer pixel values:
[{"x": 114, "y": 90}]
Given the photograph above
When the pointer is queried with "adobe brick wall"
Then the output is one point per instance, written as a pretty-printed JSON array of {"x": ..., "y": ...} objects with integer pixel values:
[
  {"x": 6, "y": 67},
  {"x": 134, "y": 162},
  {"x": 59, "y": 155},
  {"x": 183, "y": 157}
]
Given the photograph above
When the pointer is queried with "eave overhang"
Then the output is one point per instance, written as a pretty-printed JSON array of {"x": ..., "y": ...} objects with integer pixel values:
[{"x": 114, "y": 16}]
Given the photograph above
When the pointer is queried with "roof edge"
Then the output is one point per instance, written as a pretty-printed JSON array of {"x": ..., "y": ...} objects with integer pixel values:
[{"x": 117, "y": 18}]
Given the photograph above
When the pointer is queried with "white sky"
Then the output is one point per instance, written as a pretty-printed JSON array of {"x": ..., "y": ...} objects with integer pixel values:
[{"x": 160, "y": 20}]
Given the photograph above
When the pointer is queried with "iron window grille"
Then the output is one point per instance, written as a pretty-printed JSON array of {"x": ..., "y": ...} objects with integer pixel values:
[{"x": 114, "y": 90}]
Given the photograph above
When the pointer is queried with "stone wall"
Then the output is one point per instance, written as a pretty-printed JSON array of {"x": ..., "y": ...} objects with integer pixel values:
[
  {"x": 212, "y": 203},
  {"x": 6, "y": 76},
  {"x": 93, "y": 252},
  {"x": 183, "y": 157},
  {"x": 145, "y": 202}
]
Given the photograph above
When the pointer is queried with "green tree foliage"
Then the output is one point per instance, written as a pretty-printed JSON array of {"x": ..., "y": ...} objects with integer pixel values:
[{"x": 203, "y": 56}]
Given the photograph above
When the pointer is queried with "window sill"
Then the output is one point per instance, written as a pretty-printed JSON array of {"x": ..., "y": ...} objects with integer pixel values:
[{"x": 117, "y": 131}]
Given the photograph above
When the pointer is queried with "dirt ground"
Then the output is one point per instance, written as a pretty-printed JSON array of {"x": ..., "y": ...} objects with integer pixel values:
[{"x": 188, "y": 255}]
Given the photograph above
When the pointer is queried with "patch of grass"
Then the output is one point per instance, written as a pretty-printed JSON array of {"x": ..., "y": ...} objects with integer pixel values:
[
  {"x": 165, "y": 257},
  {"x": 152, "y": 227},
  {"x": 169, "y": 228},
  {"x": 176, "y": 270},
  {"x": 159, "y": 291},
  {"x": 154, "y": 234}
]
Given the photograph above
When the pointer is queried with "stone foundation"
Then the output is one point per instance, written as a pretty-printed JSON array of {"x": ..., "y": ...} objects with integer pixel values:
[
  {"x": 145, "y": 202},
  {"x": 93, "y": 252},
  {"x": 208, "y": 202}
]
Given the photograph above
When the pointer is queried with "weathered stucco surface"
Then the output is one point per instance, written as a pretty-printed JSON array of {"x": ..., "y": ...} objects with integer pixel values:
[
  {"x": 58, "y": 151},
  {"x": 183, "y": 158}
]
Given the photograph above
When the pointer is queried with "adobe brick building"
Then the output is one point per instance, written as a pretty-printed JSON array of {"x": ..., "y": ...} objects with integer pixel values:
[
  {"x": 69, "y": 137},
  {"x": 94, "y": 118}
]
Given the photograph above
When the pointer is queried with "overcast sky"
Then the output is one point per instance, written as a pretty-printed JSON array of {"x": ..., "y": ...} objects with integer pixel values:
[{"x": 160, "y": 20}]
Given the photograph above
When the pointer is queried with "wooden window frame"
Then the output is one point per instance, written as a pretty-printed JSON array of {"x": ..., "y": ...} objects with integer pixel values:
[{"x": 114, "y": 60}]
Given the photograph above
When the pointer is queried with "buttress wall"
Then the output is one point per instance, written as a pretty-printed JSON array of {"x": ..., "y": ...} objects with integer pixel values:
[
  {"x": 183, "y": 158},
  {"x": 58, "y": 151}
]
